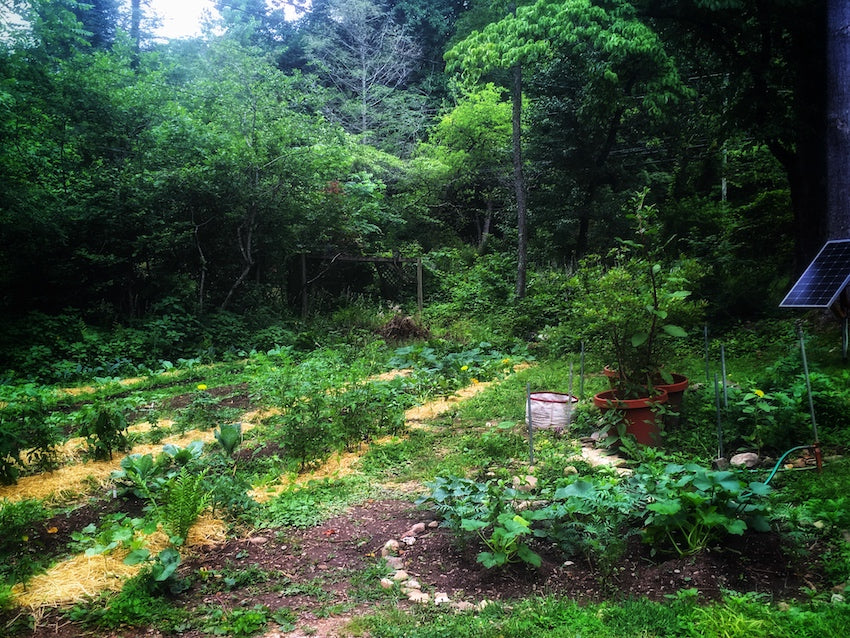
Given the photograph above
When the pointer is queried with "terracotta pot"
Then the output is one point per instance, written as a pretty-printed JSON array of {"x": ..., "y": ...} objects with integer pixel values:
[
  {"x": 638, "y": 415},
  {"x": 675, "y": 392},
  {"x": 612, "y": 375}
]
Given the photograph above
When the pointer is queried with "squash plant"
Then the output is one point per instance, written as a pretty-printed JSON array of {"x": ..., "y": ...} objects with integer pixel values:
[{"x": 689, "y": 507}]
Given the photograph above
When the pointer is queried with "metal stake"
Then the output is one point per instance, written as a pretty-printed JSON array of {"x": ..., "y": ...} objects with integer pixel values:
[
  {"x": 808, "y": 383},
  {"x": 719, "y": 421},
  {"x": 530, "y": 427}
]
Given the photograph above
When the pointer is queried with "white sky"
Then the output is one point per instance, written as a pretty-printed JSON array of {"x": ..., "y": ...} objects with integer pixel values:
[{"x": 181, "y": 18}]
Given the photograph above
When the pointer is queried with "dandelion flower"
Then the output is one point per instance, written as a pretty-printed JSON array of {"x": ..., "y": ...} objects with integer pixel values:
[
  {"x": 758, "y": 393},
  {"x": 202, "y": 386},
  {"x": 464, "y": 368}
]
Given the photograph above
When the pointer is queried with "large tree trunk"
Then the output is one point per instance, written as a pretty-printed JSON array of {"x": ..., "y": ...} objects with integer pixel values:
[
  {"x": 838, "y": 120},
  {"x": 519, "y": 182}
]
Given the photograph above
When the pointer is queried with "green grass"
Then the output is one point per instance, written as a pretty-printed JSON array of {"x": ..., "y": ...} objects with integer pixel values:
[{"x": 735, "y": 617}]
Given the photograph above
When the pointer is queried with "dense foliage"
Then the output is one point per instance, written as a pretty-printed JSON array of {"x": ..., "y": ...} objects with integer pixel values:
[{"x": 162, "y": 191}]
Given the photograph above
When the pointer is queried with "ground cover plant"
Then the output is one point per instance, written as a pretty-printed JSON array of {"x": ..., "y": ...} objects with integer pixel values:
[{"x": 562, "y": 546}]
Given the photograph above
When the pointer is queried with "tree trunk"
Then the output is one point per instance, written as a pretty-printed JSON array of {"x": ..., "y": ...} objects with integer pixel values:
[
  {"x": 519, "y": 181},
  {"x": 484, "y": 235},
  {"x": 838, "y": 120},
  {"x": 136, "y": 30}
]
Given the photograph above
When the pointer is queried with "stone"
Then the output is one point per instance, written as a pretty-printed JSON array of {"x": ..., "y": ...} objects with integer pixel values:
[
  {"x": 747, "y": 459},
  {"x": 390, "y": 548},
  {"x": 570, "y": 470},
  {"x": 416, "y": 529},
  {"x": 434, "y": 524},
  {"x": 395, "y": 562},
  {"x": 464, "y": 605},
  {"x": 258, "y": 540},
  {"x": 408, "y": 540},
  {"x": 401, "y": 575},
  {"x": 412, "y": 584},
  {"x": 721, "y": 463},
  {"x": 417, "y": 596},
  {"x": 386, "y": 583},
  {"x": 480, "y": 606},
  {"x": 441, "y": 598}
]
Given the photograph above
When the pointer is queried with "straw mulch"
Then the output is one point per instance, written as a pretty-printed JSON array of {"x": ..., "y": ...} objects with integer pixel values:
[{"x": 82, "y": 577}]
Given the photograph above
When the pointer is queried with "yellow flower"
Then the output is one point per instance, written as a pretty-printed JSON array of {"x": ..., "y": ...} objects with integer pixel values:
[
  {"x": 758, "y": 393},
  {"x": 474, "y": 381},
  {"x": 464, "y": 368},
  {"x": 202, "y": 386},
  {"x": 506, "y": 360}
]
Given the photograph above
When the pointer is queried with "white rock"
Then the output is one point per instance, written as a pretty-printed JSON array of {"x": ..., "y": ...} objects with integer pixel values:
[
  {"x": 483, "y": 604},
  {"x": 441, "y": 598},
  {"x": 408, "y": 540},
  {"x": 434, "y": 524},
  {"x": 416, "y": 529},
  {"x": 386, "y": 583},
  {"x": 417, "y": 596},
  {"x": 258, "y": 540},
  {"x": 412, "y": 584},
  {"x": 747, "y": 459},
  {"x": 401, "y": 575},
  {"x": 464, "y": 605}
]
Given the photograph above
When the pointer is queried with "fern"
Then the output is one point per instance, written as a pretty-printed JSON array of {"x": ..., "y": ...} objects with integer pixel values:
[{"x": 185, "y": 497}]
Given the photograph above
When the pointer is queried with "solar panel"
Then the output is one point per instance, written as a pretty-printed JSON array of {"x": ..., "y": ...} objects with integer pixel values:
[{"x": 824, "y": 279}]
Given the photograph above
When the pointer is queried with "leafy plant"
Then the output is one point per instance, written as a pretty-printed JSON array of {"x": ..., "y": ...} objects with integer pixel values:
[
  {"x": 628, "y": 309},
  {"x": 690, "y": 507},
  {"x": 239, "y": 622},
  {"x": 504, "y": 541},
  {"x": 104, "y": 427},
  {"x": 229, "y": 437},
  {"x": 28, "y": 436},
  {"x": 184, "y": 496}
]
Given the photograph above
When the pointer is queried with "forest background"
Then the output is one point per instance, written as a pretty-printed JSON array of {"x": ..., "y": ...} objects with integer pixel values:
[{"x": 156, "y": 197}]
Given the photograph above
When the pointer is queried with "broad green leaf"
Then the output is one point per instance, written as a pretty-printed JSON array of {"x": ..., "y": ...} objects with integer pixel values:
[{"x": 674, "y": 331}]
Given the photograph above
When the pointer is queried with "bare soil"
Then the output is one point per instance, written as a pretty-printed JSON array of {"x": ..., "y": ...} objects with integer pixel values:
[{"x": 318, "y": 573}]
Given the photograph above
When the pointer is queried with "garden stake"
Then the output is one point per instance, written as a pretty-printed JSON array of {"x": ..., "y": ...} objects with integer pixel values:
[
  {"x": 570, "y": 391},
  {"x": 719, "y": 422},
  {"x": 530, "y": 428},
  {"x": 816, "y": 444},
  {"x": 723, "y": 372},
  {"x": 581, "y": 373},
  {"x": 705, "y": 337}
]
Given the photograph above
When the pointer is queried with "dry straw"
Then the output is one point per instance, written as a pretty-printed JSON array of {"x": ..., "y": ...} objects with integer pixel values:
[{"x": 82, "y": 577}]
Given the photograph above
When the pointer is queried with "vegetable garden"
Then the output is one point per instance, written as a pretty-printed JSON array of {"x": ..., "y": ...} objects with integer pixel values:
[{"x": 275, "y": 493}]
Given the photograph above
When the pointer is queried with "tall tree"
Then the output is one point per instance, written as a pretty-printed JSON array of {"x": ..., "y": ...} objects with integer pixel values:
[
  {"x": 838, "y": 120},
  {"x": 100, "y": 18},
  {"x": 772, "y": 56},
  {"x": 366, "y": 56},
  {"x": 624, "y": 57}
]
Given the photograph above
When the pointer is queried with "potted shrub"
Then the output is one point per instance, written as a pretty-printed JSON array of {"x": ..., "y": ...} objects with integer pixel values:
[{"x": 631, "y": 307}]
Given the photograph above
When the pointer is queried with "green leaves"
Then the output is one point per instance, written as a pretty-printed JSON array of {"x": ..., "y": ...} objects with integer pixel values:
[{"x": 690, "y": 507}]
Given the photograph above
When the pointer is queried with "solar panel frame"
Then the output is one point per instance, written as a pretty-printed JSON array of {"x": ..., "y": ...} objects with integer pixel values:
[{"x": 824, "y": 279}]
